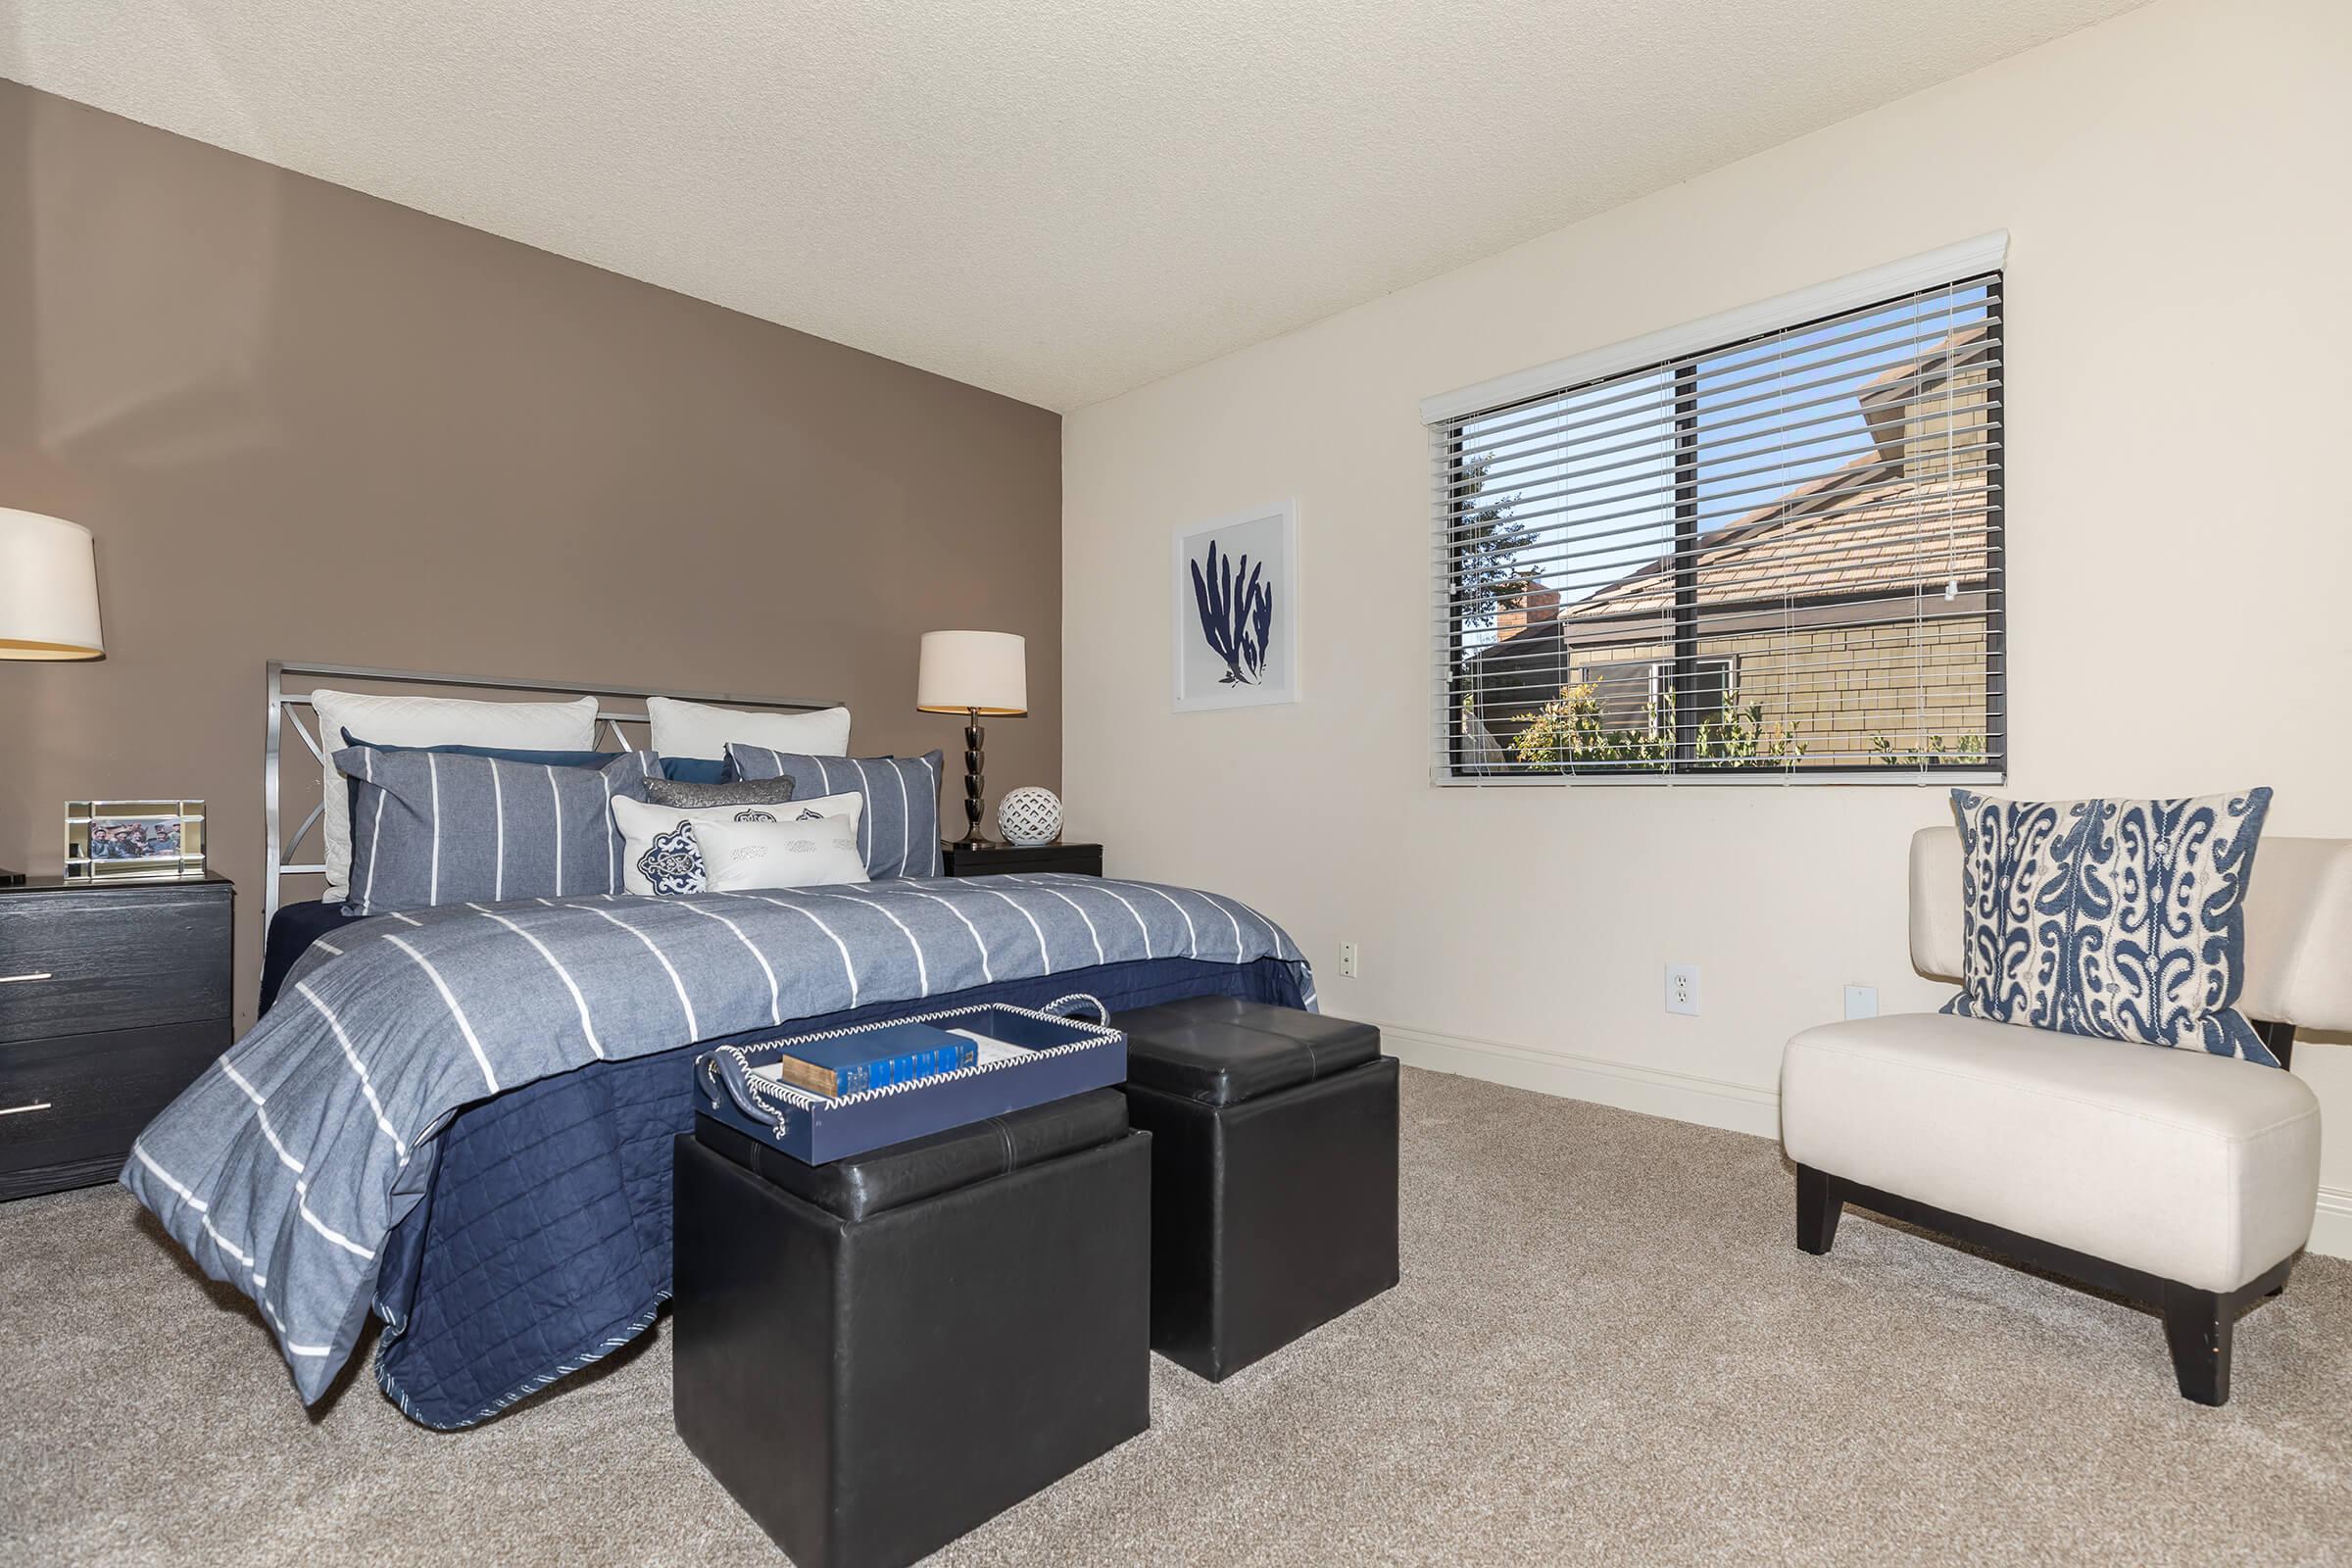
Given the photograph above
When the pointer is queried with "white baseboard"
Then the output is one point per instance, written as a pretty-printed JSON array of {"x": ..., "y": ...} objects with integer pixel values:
[
  {"x": 2331, "y": 1226},
  {"x": 1652, "y": 1091},
  {"x": 1687, "y": 1097}
]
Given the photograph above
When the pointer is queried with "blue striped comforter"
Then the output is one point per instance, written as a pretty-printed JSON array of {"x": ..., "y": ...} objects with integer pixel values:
[{"x": 284, "y": 1168}]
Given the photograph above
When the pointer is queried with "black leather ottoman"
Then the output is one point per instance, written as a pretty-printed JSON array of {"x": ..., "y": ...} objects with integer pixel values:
[
  {"x": 1273, "y": 1173},
  {"x": 876, "y": 1355}
]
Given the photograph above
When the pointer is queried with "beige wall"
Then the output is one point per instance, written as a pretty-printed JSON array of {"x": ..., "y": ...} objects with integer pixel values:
[
  {"x": 307, "y": 425},
  {"x": 2180, "y": 349}
]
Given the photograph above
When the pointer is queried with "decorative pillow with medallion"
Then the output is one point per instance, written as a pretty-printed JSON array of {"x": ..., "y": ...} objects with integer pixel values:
[
  {"x": 2119, "y": 919},
  {"x": 807, "y": 849},
  {"x": 662, "y": 854}
]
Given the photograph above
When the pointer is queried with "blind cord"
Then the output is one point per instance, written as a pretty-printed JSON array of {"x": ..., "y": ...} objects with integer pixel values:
[{"x": 1951, "y": 419}]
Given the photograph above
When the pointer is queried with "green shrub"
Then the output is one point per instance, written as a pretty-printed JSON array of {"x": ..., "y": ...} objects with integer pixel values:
[
  {"x": 1567, "y": 733},
  {"x": 1963, "y": 748}
]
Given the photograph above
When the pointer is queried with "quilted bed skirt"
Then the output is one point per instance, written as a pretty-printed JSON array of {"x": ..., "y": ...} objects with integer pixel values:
[{"x": 542, "y": 1243}]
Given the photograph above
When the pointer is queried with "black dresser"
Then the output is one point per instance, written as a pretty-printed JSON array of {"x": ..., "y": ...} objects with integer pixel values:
[
  {"x": 1021, "y": 860},
  {"x": 113, "y": 998}
]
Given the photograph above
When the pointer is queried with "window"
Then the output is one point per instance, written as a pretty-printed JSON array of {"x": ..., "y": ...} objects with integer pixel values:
[
  {"x": 1639, "y": 694},
  {"x": 1768, "y": 545}
]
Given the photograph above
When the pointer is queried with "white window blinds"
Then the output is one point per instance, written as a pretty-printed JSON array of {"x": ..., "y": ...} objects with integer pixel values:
[{"x": 1775, "y": 554}]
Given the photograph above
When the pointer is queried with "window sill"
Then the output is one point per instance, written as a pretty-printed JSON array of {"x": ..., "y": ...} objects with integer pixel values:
[{"x": 1866, "y": 778}]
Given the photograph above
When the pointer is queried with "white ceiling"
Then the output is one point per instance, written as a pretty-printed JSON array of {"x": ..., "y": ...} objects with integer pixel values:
[{"x": 1055, "y": 199}]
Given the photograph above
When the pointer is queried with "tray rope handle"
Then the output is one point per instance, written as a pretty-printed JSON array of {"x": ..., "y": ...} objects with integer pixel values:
[
  {"x": 1064, "y": 1007},
  {"x": 729, "y": 1069}
]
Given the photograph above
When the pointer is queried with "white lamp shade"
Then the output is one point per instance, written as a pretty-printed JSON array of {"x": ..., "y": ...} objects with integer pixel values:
[
  {"x": 48, "y": 588},
  {"x": 964, "y": 671}
]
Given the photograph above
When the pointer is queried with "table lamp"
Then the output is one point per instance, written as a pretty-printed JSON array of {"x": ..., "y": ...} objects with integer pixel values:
[
  {"x": 48, "y": 595},
  {"x": 975, "y": 673}
]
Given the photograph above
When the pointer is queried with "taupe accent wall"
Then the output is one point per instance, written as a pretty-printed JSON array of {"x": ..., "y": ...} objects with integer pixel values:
[{"x": 309, "y": 425}]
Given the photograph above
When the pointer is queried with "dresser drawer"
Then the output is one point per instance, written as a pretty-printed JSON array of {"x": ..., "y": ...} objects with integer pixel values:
[
  {"x": 87, "y": 960},
  {"x": 86, "y": 1097},
  {"x": 1022, "y": 860}
]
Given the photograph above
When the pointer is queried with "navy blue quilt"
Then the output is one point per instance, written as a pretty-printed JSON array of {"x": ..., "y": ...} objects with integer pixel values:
[{"x": 542, "y": 1241}]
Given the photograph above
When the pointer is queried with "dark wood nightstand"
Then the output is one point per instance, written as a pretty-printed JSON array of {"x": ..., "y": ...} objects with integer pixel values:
[
  {"x": 999, "y": 859},
  {"x": 113, "y": 996}
]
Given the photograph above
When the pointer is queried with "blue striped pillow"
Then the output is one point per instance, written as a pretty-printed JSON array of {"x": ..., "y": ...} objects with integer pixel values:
[
  {"x": 898, "y": 832},
  {"x": 429, "y": 828}
]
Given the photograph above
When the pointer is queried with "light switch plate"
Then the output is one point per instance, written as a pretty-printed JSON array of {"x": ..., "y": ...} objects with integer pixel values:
[{"x": 1861, "y": 1001}]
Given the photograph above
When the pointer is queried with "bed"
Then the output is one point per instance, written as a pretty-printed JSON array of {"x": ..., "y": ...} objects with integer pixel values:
[{"x": 458, "y": 1118}]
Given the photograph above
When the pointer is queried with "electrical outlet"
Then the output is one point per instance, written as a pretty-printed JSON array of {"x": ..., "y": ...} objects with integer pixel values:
[
  {"x": 1681, "y": 988},
  {"x": 1347, "y": 960},
  {"x": 1861, "y": 1001}
]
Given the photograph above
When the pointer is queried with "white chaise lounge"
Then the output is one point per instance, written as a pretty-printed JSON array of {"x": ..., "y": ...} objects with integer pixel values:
[{"x": 2175, "y": 1178}]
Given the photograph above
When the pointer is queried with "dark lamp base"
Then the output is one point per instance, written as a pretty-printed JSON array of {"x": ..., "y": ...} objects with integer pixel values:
[{"x": 975, "y": 763}]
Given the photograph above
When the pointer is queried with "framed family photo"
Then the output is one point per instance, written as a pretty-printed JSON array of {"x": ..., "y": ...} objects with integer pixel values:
[
  {"x": 1235, "y": 598},
  {"x": 134, "y": 841}
]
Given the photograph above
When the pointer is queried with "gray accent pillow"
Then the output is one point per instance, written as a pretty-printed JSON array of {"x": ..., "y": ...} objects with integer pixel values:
[
  {"x": 747, "y": 792},
  {"x": 431, "y": 828}
]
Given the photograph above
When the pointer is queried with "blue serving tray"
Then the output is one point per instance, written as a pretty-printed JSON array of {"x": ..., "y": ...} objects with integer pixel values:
[{"x": 1064, "y": 1057}]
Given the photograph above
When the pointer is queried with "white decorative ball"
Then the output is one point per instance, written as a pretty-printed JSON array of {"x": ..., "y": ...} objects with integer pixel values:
[{"x": 1029, "y": 817}]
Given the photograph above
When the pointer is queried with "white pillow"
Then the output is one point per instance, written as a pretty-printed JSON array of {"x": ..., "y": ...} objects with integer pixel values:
[
  {"x": 431, "y": 721},
  {"x": 641, "y": 824},
  {"x": 817, "y": 852},
  {"x": 697, "y": 729}
]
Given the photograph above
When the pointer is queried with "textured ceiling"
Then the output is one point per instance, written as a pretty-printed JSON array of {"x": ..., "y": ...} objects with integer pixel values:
[{"x": 1057, "y": 198}]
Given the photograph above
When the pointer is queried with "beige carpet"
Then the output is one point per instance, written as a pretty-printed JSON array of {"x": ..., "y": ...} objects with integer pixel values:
[{"x": 1606, "y": 1349}]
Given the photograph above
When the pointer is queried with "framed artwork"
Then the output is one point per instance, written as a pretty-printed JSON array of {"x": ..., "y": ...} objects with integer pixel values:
[{"x": 1235, "y": 598}]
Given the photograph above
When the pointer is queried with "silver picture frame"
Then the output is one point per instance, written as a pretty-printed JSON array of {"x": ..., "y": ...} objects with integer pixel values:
[{"x": 134, "y": 840}]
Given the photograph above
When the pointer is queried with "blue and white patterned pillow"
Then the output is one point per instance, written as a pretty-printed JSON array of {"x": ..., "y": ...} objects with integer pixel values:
[
  {"x": 2120, "y": 919},
  {"x": 898, "y": 832},
  {"x": 673, "y": 863},
  {"x": 662, "y": 854},
  {"x": 428, "y": 827}
]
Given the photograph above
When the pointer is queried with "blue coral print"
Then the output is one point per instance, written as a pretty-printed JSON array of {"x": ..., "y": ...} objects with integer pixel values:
[{"x": 1236, "y": 607}]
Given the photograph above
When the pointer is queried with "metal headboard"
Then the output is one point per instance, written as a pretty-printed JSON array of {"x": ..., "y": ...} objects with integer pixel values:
[{"x": 281, "y": 851}]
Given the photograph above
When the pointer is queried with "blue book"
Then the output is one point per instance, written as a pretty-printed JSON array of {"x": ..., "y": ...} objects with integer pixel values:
[{"x": 875, "y": 1058}]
